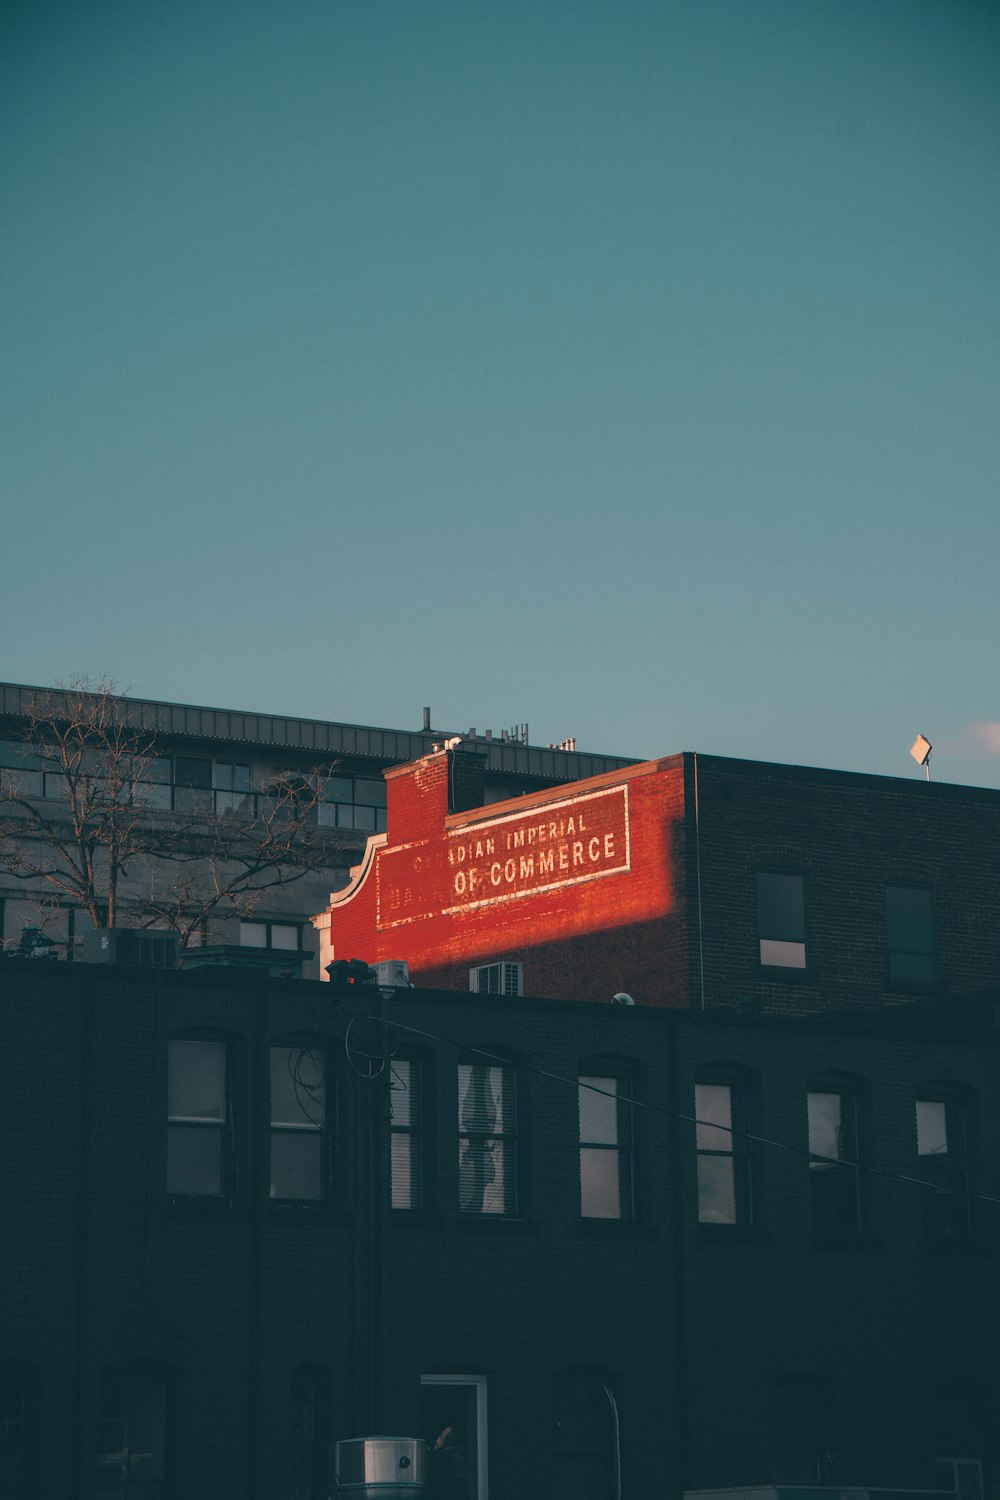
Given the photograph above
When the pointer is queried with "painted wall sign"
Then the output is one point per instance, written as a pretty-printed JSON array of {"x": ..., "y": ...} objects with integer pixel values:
[{"x": 504, "y": 859}]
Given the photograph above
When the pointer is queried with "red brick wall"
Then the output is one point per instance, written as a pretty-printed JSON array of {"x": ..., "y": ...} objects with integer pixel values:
[{"x": 600, "y": 909}]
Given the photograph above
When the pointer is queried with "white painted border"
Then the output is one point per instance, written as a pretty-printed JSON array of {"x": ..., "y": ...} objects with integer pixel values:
[
  {"x": 553, "y": 885},
  {"x": 478, "y": 1383}
]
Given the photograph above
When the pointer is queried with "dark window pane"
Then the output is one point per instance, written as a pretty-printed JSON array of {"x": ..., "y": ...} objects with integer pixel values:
[
  {"x": 298, "y": 1087},
  {"x": 781, "y": 907},
  {"x": 911, "y": 968},
  {"x": 932, "y": 1127},
  {"x": 223, "y": 776},
  {"x": 364, "y": 817},
  {"x": 297, "y": 1165},
  {"x": 909, "y": 919},
  {"x": 194, "y": 1161},
  {"x": 197, "y": 1080},
  {"x": 192, "y": 771},
  {"x": 339, "y": 789},
  {"x": 370, "y": 792},
  {"x": 404, "y": 1077}
]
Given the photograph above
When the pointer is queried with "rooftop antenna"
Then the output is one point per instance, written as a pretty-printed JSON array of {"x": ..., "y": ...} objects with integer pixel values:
[{"x": 921, "y": 752}]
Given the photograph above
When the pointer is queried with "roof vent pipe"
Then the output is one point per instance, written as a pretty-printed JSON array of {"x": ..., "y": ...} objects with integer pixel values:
[{"x": 427, "y": 721}]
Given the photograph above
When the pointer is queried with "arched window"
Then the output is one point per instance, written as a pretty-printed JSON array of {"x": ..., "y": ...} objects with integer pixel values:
[
  {"x": 943, "y": 1121},
  {"x": 302, "y": 1112},
  {"x": 727, "y": 1189},
  {"x": 20, "y": 1393},
  {"x": 803, "y": 1428},
  {"x": 836, "y": 1153},
  {"x": 310, "y": 1431},
  {"x": 607, "y": 1091},
  {"x": 133, "y": 1455},
  {"x": 488, "y": 1128},
  {"x": 586, "y": 1447},
  {"x": 202, "y": 1110},
  {"x": 408, "y": 1081}
]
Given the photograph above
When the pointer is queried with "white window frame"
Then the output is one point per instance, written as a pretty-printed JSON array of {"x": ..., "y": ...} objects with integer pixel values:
[{"x": 478, "y": 1384}]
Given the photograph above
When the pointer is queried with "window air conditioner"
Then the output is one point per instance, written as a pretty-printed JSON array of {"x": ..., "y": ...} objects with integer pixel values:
[
  {"x": 497, "y": 979},
  {"x": 392, "y": 972}
]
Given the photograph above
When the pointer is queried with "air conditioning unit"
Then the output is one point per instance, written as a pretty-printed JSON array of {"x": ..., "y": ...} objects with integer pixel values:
[
  {"x": 392, "y": 972},
  {"x": 132, "y": 946},
  {"x": 501, "y": 978}
]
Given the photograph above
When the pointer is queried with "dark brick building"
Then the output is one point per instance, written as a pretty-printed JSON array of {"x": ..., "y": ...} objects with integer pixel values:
[
  {"x": 690, "y": 881},
  {"x": 202, "y": 1282}
]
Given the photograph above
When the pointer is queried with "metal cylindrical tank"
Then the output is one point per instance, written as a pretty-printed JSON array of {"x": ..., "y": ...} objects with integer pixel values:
[{"x": 380, "y": 1468}]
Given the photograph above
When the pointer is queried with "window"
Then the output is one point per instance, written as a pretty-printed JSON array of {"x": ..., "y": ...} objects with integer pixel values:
[
  {"x": 909, "y": 925},
  {"x": 781, "y": 922},
  {"x": 803, "y": 1428},
  {"x": 942, "y": 1152},
  {"x": 406, "y": 1133},
  {"x": 300, "y": 1137},
  {"x": 834, "y": 1159},
  {"x": 453, "y": 1424},
  {"x": 487, "y": 1139},
  {"x": 724, "y": 1167},
  {"x": 311, "y": 1431},
  {"x": 270, "y": 935},
  {"x": 606, "y": 1126},
  {"x": 231, "y": 780},
  {"x": 585, "y": 1439},
  {"x": 131, "y": 1439},
  {"x": 20, "y": 1406},
  {"x": 354, "y": 802},
  {"x": 200, "y": 1134}
]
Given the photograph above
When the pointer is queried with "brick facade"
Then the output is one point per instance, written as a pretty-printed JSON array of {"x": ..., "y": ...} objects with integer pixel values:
[
  {"x": 670, "y": 915},
  {"x": 694, "y": 1327}
]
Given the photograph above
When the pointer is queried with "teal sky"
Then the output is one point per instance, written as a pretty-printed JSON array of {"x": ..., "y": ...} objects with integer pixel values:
[{"x": 630, "y": 369}]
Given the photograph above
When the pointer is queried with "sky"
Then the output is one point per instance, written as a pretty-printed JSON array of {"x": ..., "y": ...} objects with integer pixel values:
[{"x": 626, "y": 369}]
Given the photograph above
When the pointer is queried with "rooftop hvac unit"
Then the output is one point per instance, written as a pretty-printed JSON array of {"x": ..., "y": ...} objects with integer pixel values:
[
  {"x": 380, "y": 1468},
  {"x": 129, "y": 945},
  {"x": 392, "y": 972},
  {"x": 497, "y": 979}
]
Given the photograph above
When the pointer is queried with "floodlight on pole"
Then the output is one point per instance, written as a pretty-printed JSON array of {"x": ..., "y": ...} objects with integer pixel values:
[{"x": 921, "y": 752}]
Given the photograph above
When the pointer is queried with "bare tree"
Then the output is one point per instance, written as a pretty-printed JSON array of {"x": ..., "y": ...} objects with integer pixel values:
[{"x": 80, "y": 822}]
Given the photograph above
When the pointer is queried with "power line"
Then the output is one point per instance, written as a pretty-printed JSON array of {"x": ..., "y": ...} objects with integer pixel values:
[{"x": 644, "y": 1104}]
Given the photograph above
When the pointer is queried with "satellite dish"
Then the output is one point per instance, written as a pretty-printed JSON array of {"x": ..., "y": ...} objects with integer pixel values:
[{"x": 622, "y": 999}]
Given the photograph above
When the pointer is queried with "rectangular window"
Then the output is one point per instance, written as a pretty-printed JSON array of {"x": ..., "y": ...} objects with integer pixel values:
[
  {"x": 299, "y": 1136},
  {"x": 834, "y": 1172},
  {"x": 909, "y": 925},
  {"x": 605, "y": 1148},
  {"x": 487, "y": 1139},
  {"x": 354, "y": 802},
  {"x": 199, "y": 1155},
  {"x": 231, "y": 780},
  {"x": 406, "y": 1134},
  {"x": 270, "y": 935},
  {"x": 942, "y": 1152},
  {"x": 781, "y": 921},
  {"x": 723, "y": 1157}
]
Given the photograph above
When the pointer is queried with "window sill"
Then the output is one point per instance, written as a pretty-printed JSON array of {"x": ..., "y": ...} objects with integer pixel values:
[
  {"x": 495, "y": 1224},
  {"x": 415, "y": 1220},
  {"x": 923, "y": 989},
  {"x": 958, "y": 1249},
  {"x": 614, "y": 1229},
  {"x": 769, "y": 974},
  {"x": 733, "y": 1234},
  {"x": 298, "y": 1215},
  {"x": 203, "y": 1211},
  {"x": 848, "y": 1240}
]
